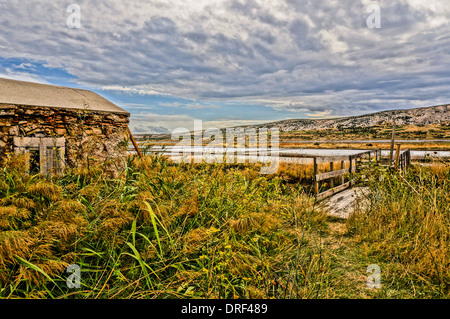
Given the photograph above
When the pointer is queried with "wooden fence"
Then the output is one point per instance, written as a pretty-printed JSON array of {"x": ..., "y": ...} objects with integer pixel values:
[
  {"x": 341, "y": 168},
  {"x": 404, "y": 160},
  {"x": 342, "y": 173}
]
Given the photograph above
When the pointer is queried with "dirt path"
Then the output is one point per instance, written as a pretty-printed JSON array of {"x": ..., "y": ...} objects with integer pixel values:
[{"x": 348, "y": 269}]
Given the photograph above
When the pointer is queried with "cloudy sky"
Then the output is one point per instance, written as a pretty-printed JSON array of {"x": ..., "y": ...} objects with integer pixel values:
[{"x": 233, "y": 62}]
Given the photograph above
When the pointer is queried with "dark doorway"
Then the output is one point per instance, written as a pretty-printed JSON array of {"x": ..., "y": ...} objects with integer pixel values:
[{"x": 34, "y": 161}]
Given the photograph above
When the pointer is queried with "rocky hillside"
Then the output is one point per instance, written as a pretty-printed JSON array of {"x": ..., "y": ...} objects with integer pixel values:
[{"x": 417, "y": 116}]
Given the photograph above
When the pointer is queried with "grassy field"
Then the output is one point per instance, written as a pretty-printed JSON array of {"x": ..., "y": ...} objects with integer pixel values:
[
  {"x": 216, "y": 231},
  {"x": 425, "y": 146},
  {"x": 379, "y": 132},
  {"x": 407, "y": 235}
]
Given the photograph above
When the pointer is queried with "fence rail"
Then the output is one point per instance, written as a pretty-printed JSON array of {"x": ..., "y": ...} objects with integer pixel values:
[
  {"x": 341, "y": 168},
  {"x": 355, "y": 160},
  {"x": 405, "y": 160}
]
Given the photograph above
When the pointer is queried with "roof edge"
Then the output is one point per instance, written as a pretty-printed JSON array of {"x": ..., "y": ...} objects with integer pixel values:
[
  {"x": 34, "y": 94},
  {"x": 13, "y": 105}
]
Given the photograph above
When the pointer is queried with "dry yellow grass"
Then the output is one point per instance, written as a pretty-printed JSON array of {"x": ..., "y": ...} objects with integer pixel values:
[
  {"x": 221, "y": 231},
  {"x": 215, "y": 231},
  {"x": 409, "y": 234}
]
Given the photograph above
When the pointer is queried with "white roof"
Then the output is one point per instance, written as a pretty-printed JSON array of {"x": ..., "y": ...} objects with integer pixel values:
[{"x": 36, "y": 94}]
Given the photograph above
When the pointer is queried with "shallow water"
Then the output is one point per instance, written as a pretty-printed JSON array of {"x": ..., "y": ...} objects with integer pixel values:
[{"x": 303, "y": 151}]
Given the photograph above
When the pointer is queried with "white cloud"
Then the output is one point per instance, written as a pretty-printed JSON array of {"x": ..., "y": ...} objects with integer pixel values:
[
  {"x": 300, "y": 55},
  {"x": 189, "y": 106},
  {"x": 132, "y": 90},
  {"x": 223, "y": 123},
  {"x": 21, "y": 76},
  {"x": 25, "y": 66},
  {"x": 151, "y": 120},
  {"x": 320, "y": 115}
]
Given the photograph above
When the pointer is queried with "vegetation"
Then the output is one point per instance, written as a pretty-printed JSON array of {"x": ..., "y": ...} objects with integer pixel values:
[
  {"x": 377, "y": 132},
  {"x": 171, "y": 231},
  {"x": 408, "y": 235},
  {"x": 168, "y": 230},
  {"x": 332, "y": 138}
]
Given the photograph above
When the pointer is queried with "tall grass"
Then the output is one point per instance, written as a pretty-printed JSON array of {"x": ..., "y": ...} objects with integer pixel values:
[
  {"x": 407, "y": 233},
  {"x": 165, "y": 230},
  {"x": 169, "y": 231}
]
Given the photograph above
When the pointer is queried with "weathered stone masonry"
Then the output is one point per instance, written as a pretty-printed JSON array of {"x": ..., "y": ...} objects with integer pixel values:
[
  {"x": 89, "y": 134},
  {"x": 59, "y": 127}
]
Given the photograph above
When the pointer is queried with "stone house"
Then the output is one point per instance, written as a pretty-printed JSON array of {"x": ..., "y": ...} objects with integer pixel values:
[{"x": 61, "y": 126}]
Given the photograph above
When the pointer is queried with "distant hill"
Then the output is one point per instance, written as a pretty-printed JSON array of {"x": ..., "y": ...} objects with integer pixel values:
[
  {"x": 422, "y": 116},
  {"x": 418, "y": 116}
]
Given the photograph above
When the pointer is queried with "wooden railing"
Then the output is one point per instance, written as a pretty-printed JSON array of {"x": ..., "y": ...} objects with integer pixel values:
[
  {"x": 341, "y": 168},
  {"x": 342, "y": 173},
  {"x": 404, "y": 160}
]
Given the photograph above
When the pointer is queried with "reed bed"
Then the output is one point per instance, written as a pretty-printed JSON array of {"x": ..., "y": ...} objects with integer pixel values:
[
  {"x": 162, "y": 230},
  {"x": 408, "y": 234},
  {"x": 166, "y": 230}
]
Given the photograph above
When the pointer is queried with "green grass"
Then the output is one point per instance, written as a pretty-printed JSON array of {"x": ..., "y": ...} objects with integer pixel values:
[
  {"x": 435, "y": 131},
  {"x": 408, "y": 235},
  {"x": 217, "y": 231},
  {"x": 173, "y": 231}
]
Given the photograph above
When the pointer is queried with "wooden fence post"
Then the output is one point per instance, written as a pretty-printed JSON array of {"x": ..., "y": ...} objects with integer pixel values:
[
  {"x": 342, "y": 176},
  {"x": 391, "y": 153},
  {"x": 397, "y": 155},
  {"x": 331, "y": 180},
  {"x": 404, "y": 162},
  {"x": 316, "y": 182},
  {"x": 351, "y": 170},
  {"x": 136, "y": 147},
  {"x": 408, "y": 158}
]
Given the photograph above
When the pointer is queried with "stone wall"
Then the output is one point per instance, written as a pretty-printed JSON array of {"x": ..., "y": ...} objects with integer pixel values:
[{"x": 89, "y": 135}]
